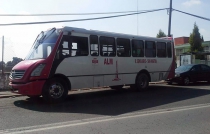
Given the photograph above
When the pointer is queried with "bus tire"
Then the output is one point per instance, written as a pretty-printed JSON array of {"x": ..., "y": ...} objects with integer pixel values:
[
  {"x": 116, "y": 87},
  {"x": 55, "y": 90},
  {"x": 142, "y": 81}
]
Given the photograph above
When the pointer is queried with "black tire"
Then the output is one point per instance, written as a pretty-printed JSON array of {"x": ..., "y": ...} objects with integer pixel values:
[
  {"x": 116, "y": 87},
  {"x": 55, "y": 90},
  {"x": 186, "y": 81},
  {"x": 142, "y": 81}
]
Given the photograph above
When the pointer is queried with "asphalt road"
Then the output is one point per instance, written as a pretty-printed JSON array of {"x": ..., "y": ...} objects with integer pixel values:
[{"x": 160, "y": 109}]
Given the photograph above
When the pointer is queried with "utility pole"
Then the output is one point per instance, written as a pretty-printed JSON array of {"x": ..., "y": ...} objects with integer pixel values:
[
  {"x": 169, "y": 22},
  {"x": 2, "y": 70},
  {"x": 137, "y": 17}
]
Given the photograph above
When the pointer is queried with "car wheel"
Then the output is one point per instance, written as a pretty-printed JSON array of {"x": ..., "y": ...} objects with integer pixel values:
[
  {"x": 142, "y": 81},
  {"x": 186, "y": 81},
  {"x": 55, "y": 90},
  {"x": 116, "y": 87}
]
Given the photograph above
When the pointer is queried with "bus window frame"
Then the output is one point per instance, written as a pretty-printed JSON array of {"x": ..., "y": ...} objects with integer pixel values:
[
  {"x": 90, "y": 45},
  {"x": 101, "y": 47}
]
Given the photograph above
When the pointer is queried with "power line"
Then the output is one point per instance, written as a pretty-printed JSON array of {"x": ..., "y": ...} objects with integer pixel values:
[
  {"x": 192, "y": 15},
  {"x": 106, "y": 17},
  {"x": 63, "y": 14}
]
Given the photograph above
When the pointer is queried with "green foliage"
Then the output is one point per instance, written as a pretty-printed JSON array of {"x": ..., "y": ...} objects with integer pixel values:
[
  {"x": 11, "y": 64},
  {"x": 161, "y": 34},
  {"x": 14, "y": 61},
  {"x": 195, "y": 41}
]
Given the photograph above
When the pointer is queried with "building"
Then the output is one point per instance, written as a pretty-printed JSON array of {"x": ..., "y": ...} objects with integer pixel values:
[{"x": 181, "y": 45}]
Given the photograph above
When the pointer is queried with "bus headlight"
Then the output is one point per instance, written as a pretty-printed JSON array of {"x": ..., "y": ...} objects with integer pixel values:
[{"x": 37, "y": 71}]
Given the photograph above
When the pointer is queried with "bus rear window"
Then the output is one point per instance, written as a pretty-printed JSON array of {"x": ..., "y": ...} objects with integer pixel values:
[
  {"x": 169, "y": 52},
  {"x": 161, "y": 49},
  {"x": 137, "y": 48},
  {"x": 150, "y": 49}
]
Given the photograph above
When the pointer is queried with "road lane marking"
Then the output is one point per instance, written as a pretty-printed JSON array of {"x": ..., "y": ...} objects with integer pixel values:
[{"x": 100, "y": 119}]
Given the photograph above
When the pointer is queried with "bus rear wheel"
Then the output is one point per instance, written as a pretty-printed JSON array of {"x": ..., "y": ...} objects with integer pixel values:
[
  {"x": 142, "y": 81},
  {"x": 55, "y": 90}
]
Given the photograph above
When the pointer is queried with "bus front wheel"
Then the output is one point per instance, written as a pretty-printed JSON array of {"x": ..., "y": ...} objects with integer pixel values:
[
  {"x": 55, "y": 90},
  {"x": 142, "y": 81}
]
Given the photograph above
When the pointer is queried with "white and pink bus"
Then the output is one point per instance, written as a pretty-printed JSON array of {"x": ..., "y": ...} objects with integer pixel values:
[{"x": 73, "y": 58}]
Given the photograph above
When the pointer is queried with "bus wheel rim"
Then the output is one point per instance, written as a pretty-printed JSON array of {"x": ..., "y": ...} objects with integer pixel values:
[
  {"x": 56, "y": 90},
  {"x": 142, "y": 81}
]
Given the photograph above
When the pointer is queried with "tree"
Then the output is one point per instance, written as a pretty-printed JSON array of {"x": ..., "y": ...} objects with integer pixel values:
[
  {"x": 195, "y": 40},
  {"x": 161, "y": 34},
  {"x": 202, "y": 40},
  {"x": 16, "y": 60},
  {"x": 1, "y": 65}
]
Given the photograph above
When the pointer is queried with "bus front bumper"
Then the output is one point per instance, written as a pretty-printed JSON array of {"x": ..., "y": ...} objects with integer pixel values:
[{"x": 31, "y": 88}]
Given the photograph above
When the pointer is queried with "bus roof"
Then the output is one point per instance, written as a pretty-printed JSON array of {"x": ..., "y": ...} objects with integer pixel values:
[{"x": 111, "y": 34}]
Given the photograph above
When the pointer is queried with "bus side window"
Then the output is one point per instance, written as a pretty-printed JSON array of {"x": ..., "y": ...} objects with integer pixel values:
[
  {"x": 161, "y": 49},
  {"x": 123, "y": 47},
  {"x": 94, "y": 51},
  {"x": 169, "y": 52},
  {"x": 150, "y": 49},
  {"x": 107, "y": 46},
  {"x": 79, "y": 46},
  {"x": 137, "y": 48}
]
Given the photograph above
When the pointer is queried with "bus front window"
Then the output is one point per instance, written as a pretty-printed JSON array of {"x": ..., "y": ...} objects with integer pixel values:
[{"x": 43, "y": 45}]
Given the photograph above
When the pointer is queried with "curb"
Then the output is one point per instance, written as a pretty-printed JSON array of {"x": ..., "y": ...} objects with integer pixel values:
[
  {"x": 7, "y": 96},
  {"x": 161, "y": 82}
]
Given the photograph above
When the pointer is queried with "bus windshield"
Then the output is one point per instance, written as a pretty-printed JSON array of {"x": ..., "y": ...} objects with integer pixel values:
[{"x": 43, "y": 45}]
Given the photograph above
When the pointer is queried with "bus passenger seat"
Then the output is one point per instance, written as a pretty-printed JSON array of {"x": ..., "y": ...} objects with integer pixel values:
[
  {"x": 105, "y": 54},
  {"x": 94, "y": 54},
  {"x": 111, "y": 54}
]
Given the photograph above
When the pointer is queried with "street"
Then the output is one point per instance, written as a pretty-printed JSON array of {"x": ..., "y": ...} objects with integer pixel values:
[{"x": 160, "y": 109}]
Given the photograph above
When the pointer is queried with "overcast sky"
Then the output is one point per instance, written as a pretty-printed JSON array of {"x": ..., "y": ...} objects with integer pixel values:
[{"x": 18, "y": 39}]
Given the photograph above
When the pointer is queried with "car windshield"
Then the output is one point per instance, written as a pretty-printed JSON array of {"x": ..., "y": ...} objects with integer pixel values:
[
  {"x": 43, "y": 45},
  {"x": 184, "y": 68}
]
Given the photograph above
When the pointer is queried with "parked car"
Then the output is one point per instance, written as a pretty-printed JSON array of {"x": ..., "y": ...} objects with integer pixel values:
[{"x": 191, "y": 73}]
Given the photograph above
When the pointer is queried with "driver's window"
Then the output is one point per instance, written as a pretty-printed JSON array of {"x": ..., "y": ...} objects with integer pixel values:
[{"x": 65, "y": 49}]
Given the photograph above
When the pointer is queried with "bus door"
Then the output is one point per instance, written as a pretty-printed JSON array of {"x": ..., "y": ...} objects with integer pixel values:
[
  {"x": 96, "y": 62},
  {"x": 75, "y": 60},
  {"x": 110, "y": 63}
]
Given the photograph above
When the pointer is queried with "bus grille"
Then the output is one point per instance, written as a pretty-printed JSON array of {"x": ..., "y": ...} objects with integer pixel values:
[{"x": 16, "y": 74}]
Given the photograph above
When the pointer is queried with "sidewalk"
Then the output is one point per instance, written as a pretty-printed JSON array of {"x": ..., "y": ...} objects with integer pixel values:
[{"x": 7, "y": 94}]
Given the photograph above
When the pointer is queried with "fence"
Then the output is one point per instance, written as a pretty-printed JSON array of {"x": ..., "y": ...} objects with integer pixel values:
[{"x": 4, "y": 82}]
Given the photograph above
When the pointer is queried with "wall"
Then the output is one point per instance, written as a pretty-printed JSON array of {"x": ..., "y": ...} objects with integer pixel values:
[{"x": 181, "y": 40}]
